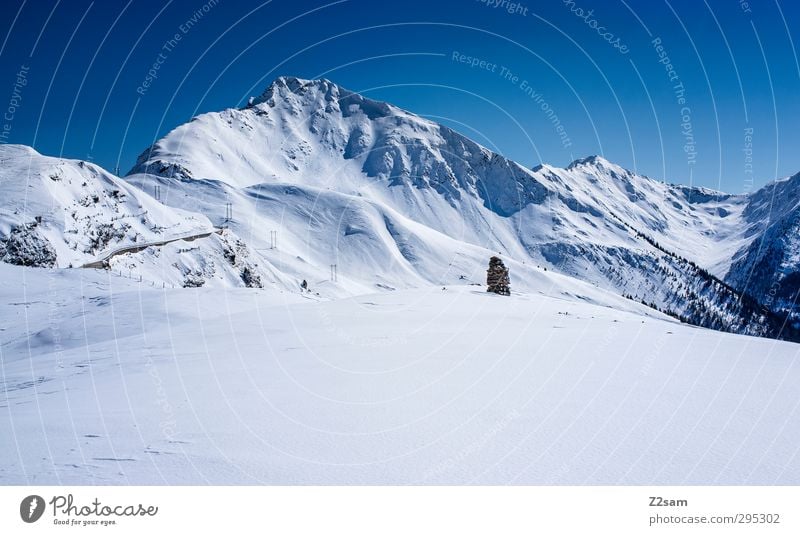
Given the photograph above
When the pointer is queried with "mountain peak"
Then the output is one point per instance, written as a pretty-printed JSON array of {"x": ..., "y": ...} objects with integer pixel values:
[
  {"x": 295, "y": 83},
  {"x": 285, "y": 86},
  {"x": 592, "y": 161},
  {"x": 598, "y": 166},
  {"x": 322, "y": 94}
]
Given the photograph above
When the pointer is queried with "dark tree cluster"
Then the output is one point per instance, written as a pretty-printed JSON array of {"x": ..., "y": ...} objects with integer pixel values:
[{"x": 715, "y": 304}]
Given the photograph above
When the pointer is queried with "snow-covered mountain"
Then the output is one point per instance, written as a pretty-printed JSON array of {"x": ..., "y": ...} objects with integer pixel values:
[
  {"x": 395, "y": 366},
  {"x": 313, "y": 182},
  {"x": 346, "y": 179},
  {"x": 66, "y": 213}
]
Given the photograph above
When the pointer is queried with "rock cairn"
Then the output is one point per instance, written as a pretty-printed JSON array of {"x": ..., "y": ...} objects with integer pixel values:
[{"x": 497, "y": 280}]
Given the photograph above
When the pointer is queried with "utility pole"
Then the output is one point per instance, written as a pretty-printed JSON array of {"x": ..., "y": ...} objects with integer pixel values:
[
  {"x": 273, "y": 239},
  {"x": 228, "y": 213},
  {"x": 157, "y": 192},
  {"x": 334, "y": 273}
]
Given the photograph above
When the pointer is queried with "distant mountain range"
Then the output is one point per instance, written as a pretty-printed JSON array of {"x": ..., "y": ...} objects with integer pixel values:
[{"x": 312, "y": 181}]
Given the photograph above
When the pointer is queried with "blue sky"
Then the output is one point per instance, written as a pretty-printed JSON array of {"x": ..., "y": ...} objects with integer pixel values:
[{"x": 538, "y": 81}]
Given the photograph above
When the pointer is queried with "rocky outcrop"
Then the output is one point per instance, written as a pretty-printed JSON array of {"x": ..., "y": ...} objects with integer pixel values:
[{"x": 24, "y": 246}]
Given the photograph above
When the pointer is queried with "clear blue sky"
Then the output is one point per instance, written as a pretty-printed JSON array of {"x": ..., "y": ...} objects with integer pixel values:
[{"x": 599, "y": 74}]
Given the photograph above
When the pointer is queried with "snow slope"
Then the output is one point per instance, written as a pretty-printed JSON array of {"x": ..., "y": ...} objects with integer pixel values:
[{"x": 419, "y": 386}]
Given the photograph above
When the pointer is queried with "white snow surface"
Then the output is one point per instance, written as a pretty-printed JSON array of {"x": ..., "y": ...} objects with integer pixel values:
[{"x": 109, "y": 381}]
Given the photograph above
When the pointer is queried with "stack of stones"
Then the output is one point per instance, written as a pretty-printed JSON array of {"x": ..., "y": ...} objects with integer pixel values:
[{"x": 497, "y": 280}]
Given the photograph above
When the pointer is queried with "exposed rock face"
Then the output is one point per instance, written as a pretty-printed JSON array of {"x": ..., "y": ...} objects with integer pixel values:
[
  {"x": 497, "y": 280},
  {"x": 24, "y": 246},
  {"x": 237, "y": 254},
  {"x": 194, "y": 279}
]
